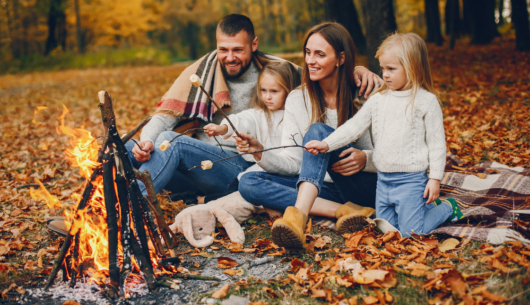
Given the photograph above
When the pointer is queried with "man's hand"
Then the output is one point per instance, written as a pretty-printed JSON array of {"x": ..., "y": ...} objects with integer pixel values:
[
  {"x": 248, "y": 144},
  {"x": 432, "y": 190},
  {"x": 366, "y": 80},
  {"x": 352, "y": 164},
  {"x": 215, "y": 130},
  {"x": 143, "y": 154},
  {"x": 314, "y": 147}
]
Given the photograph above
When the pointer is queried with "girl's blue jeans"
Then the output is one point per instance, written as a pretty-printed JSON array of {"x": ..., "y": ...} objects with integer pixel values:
[
  {"x": 279, "y": 192},
  {"x": 169, "y": 168},
  {"x": 399, "y": 200}
]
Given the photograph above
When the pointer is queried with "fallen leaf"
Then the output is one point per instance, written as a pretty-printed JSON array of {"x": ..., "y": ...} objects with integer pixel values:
[
  {"x": 226, "y": 262},
  {"x": 370, "y": 300},
  {"x": 71, "y": 302},
  {"x": 448, "y": 244},
  {"x": 222, "y": 292}
]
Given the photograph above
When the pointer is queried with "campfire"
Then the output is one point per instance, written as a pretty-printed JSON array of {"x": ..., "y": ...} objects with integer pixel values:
[{"x": 116, "y": 232}]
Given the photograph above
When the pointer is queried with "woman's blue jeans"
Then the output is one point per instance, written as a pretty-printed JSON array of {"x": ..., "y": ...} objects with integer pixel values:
[
  {"x": 400, "y": 201},
  {"x": 170, "y": 167},
  {"x": 279, "y": 192}
]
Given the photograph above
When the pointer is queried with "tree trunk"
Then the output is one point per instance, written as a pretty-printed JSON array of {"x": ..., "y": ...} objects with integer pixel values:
[
  {"x": 501, "y": 11},
  {"x": 283, "y": 31},
  {"x": 345, "y": 13},
  {"x": 454, "y": 22},
  {"x": 192, "y": 40},
  {"x": 432, "y": 18},
  {"x": 481, "y": 23},
  {"x": 272, "y": 22},
  {"x": 521, "y": 24},
  {"x": 56, "y": 26},
  {"x": 467, "y": 19},
  {"x": 452, "y": 8},
  {"x": 265, "y": 22},
  {"x": 79, "y": 35},
  {"x": 379, "y": 22}
]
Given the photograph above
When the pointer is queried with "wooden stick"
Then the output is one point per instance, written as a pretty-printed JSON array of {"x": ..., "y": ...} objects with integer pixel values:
[
  {"x": 256, "y": 152},
  {"x": 112, "y": 221},
  {"x": 221, "y": 111},
  {"x": 192, "y": 277},
  {"x": 151, "y": 227},
  {"x": 125, "y": 228},
  {"x": 74, "y": 260},
  {"x": 132, "y": 190},
  {"x": 107, "y": 111},
  {"x": 125, "y": 138},
  {"x": 145, "y": 264},
  {"x": 145, "y": 177}
]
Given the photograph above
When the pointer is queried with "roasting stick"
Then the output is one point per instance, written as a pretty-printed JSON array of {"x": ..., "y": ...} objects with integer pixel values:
[{"x": 197, "y": 82}]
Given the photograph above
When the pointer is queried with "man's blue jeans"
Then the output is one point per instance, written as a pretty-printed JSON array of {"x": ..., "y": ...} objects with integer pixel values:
[
  {"x": 400, "y": 201},
  {"x": 170, "y": 167},
  {"x": 279, "y": 192}
]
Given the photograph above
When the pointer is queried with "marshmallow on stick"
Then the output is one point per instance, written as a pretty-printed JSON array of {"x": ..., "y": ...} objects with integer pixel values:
[
  {"x": 165, "y": 145},
  {"x": 197, "y": 82},
  {"x": 206, "y": 164}
]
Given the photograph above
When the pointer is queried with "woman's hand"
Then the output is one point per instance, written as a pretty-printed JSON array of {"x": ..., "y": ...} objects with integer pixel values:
[
  {"x": 314, "y": 147},
  {"x": 215, "y": 130},
  {"x": 432, "y": 190},
  {"x": 366, "y": 80},
  {"x": 352, "y": 164},
  {"x": 248, "y": 144},
  {"x": 143, "y": 153}
]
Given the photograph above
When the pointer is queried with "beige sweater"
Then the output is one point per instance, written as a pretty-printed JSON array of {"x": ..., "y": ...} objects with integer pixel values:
[
  {"x": 296, "y": 121},
  {"x": 403, "y": 143}
]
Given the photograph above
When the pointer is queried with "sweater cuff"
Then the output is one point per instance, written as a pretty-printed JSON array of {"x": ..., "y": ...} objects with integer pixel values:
[
  {"x": 331, "y": 144},
  {"x": 436, "y": 174},
  {"x": 370, "y": 166},
  {"x": 230, "y": 130}
]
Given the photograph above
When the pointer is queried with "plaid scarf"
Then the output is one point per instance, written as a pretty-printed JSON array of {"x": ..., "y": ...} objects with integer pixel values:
[{"x": 185, "y": 100}]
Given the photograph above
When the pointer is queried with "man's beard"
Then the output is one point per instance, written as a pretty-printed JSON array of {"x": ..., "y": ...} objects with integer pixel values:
[{"x": 238, "y": 74}]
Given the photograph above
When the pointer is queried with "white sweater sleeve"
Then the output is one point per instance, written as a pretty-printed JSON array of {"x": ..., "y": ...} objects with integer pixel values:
[
  {"x": 288, "y": 161},
  {"x": 353, "y": 129},
  {"x": 435, "y": 138},
  {"x": 244, "y": 121},
  {"x": 158, "y": 124}
]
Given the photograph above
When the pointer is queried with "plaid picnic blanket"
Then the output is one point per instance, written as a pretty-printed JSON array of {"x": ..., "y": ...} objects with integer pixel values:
[{"x": 494, "y": 198}]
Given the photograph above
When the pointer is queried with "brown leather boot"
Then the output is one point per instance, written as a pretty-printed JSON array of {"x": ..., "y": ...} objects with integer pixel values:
[
  {"x": 289, "y": 231},
  {"x": 352, "y": 217}
]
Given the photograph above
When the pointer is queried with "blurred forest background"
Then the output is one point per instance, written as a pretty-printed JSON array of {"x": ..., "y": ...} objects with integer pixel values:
[{"x": 59, "y": 34}]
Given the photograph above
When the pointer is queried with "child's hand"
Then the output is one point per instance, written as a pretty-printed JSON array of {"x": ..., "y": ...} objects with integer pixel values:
[
  {"x": 432, "y": 190},
  {"x": 215, "y": 130},
  {"x": 314, "y": 147},
  {"x": 248, "y": 144}
]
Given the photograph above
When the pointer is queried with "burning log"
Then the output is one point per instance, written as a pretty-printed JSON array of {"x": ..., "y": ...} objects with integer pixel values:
[
  {"x": 134, "y": 237},
  {"x": 112, "y": 222}
]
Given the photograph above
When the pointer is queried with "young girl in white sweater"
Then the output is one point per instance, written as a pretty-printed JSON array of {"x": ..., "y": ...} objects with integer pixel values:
[
  {"x": 409, "y": 138},
  {"x": 263, "y": 122}
]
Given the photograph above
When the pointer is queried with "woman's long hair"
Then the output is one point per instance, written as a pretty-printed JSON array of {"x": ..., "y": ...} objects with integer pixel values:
[
  {"x": 285, "y": 74},
  {"x": 339, "y": 38},
  {"x": 412, "y": 53}
]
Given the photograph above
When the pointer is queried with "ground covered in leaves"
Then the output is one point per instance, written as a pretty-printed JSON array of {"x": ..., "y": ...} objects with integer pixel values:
[{"x": 486, "y": 96}]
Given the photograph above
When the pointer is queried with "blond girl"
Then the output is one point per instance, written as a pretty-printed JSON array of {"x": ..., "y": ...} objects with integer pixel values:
[{"x": 409, "y": 139}]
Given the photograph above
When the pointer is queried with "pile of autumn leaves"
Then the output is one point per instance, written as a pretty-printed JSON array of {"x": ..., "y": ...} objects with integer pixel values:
[{"x": 373, "y": 260}]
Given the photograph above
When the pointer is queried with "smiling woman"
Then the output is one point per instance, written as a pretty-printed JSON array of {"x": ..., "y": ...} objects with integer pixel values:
[{"x": 295, "y": 178}]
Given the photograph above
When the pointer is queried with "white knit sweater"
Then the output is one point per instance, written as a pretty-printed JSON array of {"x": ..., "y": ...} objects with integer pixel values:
[
  {"x": 254, "y": 121},
  {"x": 403, "y": 143},
  {"x": 296, "y": 121}
]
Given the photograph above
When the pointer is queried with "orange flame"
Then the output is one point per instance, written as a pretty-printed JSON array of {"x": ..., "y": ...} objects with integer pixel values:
[{"x": 82, "y": 153}]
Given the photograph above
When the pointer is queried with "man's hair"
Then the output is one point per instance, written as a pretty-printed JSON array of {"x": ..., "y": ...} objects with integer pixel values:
[{"x": 235, "y": 23}]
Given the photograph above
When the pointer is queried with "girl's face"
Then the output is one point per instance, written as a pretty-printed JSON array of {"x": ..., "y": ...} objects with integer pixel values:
[
  {"x": 272, "y": 93},
  {"x": 394, "y": 73},
  {"x": 320, "y": 58}
]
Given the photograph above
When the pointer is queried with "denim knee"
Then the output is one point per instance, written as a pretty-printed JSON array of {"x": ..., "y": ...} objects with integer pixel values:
[
  {"x": 248, "y": 184},
  {"x": 317, "y": 131},
  {"x": 166, "y": 136}
]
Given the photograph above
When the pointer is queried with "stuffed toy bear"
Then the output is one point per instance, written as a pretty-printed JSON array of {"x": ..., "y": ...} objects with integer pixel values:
[{"x": 197, "y": 223}]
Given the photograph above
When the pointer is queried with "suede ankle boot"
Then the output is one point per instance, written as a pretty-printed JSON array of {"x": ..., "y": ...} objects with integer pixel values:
[
  {"x": 288, "y": 232},
  {"x": 352, "y": 217}
]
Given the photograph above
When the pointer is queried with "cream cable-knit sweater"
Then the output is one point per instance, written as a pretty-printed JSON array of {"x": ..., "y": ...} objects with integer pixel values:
[
  {"x": 400, "y": 145},
  {"x": 296, "y": 121},
  {"x": 254, "y": 121}
]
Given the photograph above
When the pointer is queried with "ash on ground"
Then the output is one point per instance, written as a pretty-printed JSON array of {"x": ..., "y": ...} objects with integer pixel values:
[{"x": 264, "y": 268}]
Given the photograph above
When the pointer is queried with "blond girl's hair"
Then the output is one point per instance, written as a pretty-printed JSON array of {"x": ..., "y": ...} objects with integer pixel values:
[
  {"x": 411, "y": 51},
  {"x": 285, "y": 74}
]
